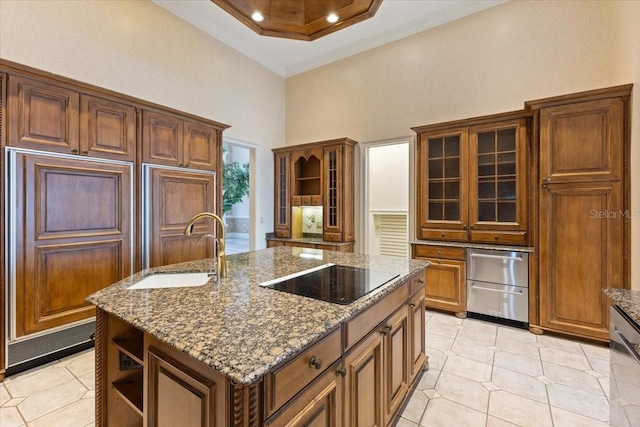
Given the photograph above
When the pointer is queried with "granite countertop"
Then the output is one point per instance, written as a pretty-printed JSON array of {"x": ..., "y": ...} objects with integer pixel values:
[
  {"x": 472, "y": 245},
  {"x": 238, "y": 327},
  {"x": 627, "y": 300}
]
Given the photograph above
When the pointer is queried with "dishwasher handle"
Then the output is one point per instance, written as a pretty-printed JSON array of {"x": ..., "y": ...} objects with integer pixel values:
[
  {"x": 502, "y": 291},
  {"x": 512, "y": 258},
  {"x": 627, "y": 344}
]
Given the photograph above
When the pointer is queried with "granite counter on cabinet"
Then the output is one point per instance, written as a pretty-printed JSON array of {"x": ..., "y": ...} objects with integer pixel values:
[
  {"x": 238, "y": 327},
  {"x": 627, "y": 300}
]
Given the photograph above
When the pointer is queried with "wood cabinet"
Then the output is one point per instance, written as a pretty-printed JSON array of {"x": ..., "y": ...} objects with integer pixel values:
[
  {"x": 379, "y": 370},
  {"x": 282, "y": 226},
  {"x": 176, "y": 196},
  {"x": 396, "y": 361},
  {"x": 472, "y": 180},
  {"x": 338, "y": 247},
  {"x": 178, "y": 394},
  {"x": 583, "y": 188},
  {"x": 44, "y": 116},
  {"x": 174, "y": 141},
  {"x": 363, "y": 383},
  {"x": 74, "y": 172},
  {"x": 319, "y": 405},
  {"x": 74, "y": 221},
  {"x": 315, "y": 174},
  {"x": 445, "y": 277},
  {"x": 338, "y": 193}
]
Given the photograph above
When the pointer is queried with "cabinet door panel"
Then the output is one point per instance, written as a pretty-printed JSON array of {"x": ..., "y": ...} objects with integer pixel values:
[
  {"x": 76, "y": 216},
  {"x": 571, "y": 279},
  {"x": 363, "y": 383},
  {"x": 176, "y": 197},
  {"x": 442, "y": 196},
  {"x": 42, "y": 116},
  {"x": 396, "y": 359},
  {"x": 498, "y": 175},
  {"x": 282, "y": 189},
  {"x": 582, "y": 142},
  {"x": 162, "y": 137},
  {"x": 200, "y": 146},
  {"x": 417, "y": 355},
  {"x": 333, "y": 190},
  {"x": 445, "y": 285},
  {"x": 107, "y": 129},
  {"x": 177, "y": 395}
]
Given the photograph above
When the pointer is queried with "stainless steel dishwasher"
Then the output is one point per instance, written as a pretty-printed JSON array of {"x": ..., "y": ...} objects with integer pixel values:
[
  {"x": 624, "y": 399},
  {"x": 498, "y": 284}
]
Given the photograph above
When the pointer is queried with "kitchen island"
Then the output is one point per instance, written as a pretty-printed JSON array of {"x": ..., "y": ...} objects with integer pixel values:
[{"x": 235, "y": 353}]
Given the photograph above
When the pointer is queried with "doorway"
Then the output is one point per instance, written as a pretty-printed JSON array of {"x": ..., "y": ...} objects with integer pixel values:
[
  {"x": 236, "y": 206},
  {"x": 386, "y": 198}
]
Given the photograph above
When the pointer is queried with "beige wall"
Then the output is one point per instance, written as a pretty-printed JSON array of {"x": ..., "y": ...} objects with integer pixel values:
[
  {"x": 486, "y": 63},
  {"x": 138, "y": 48},
  {"x": 627, "y": 68}
]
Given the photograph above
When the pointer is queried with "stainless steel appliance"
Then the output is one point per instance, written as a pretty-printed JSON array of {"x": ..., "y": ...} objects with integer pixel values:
[
  {"x": 498, "y": 284},
  {"x": 624, "y": 399}
]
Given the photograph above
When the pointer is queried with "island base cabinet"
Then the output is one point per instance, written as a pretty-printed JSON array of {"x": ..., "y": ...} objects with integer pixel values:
[
  {"x": 396, "y": 362},
  {"x": 319, "y": 405}
]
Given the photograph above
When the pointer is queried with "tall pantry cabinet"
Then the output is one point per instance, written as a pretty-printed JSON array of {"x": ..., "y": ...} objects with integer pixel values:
[
  {"x": 76, "y": 161},
  {"x": 582, "y": 191}
]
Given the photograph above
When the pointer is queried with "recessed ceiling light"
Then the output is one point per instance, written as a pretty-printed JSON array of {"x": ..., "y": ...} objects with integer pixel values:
[
  {"x": 332, "y": 18},
  {"x": 257, "y": 16}
]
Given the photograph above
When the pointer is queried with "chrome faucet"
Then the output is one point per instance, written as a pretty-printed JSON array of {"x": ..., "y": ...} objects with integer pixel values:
[{"x": 222, "y": 260}]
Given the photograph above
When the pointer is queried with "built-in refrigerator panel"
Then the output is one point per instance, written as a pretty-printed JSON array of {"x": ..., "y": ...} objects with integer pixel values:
[
  {"x": 171, "y": 197},
  {"x": 70, "y": 231}
]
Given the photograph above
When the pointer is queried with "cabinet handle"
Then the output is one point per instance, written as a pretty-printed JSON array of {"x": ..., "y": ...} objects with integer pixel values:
[
  {"x": 546, "y": 179},
  {"x": 412, "y": 305},
  {"x": 85, "y": 152},
  {"x": 495, "y": 237},
  {"x": 385, "y": 329},
  {"x": 421, "y": 281},
  {"x": 442, "y": 234},
  {"x": 74, "y": 151},
  {"x": 315, "y": 363},
  {"x": 186, "y": 165},
  {"x": 341, "y": 371},
  {"x": 439, "y": 261}
]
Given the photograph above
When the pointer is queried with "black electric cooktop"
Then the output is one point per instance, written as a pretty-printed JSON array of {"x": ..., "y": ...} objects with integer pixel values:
[{"x": 338, "y": 284}]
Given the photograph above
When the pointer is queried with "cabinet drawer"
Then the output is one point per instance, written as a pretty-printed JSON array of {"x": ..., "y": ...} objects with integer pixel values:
[
  {"x": 366, "y": 321},
  {"x": 332, "y": 237},
  {"x": 305, "y": 200},
  {"x": 316, "y": 200},
  {"x": 505, "y": 238},
  {"x": 282, "y": 233},
  {"x": 296, "y": 200},
  {"x": 417, "y": 283},
  {"x": 420, "y": 251},
  {"x": 448, "y": 235},
  {"x": 284, "y": 383}
]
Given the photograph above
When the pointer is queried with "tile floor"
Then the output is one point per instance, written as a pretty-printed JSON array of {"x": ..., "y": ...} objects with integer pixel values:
[
  {"x": 483, "y": 374},
  {"x": 480, "y": 374}
]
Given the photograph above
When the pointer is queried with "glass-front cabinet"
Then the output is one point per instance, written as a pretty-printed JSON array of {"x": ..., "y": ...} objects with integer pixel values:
[
  {"x": 472, "y": 180},
  {"x": 282, "y": 212},
  {"x": 498, "y": 182},
  {"x": 442, "y": 169}
]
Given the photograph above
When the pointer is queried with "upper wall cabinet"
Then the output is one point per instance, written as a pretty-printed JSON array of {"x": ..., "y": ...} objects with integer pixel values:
[
  {"x": 172, "y": 141},
  {"x": 472, "y": 180},
  {"x": 53, "y": 118}
]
